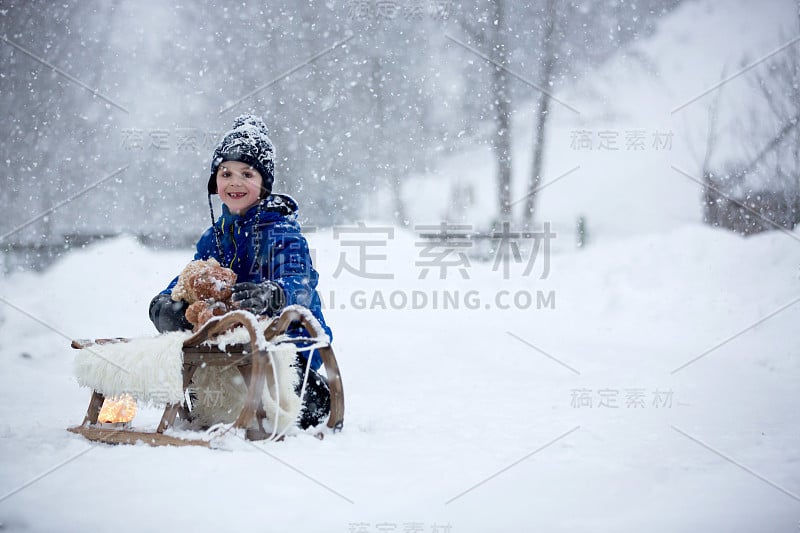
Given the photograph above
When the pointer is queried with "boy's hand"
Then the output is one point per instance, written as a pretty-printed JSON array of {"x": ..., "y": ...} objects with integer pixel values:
[
  {"x": 259, "y": 298},
  {"x": 168, "y": 315}
]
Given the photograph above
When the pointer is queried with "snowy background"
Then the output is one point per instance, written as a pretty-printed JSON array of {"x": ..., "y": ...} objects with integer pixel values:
[{"x": 646, "y": 381}]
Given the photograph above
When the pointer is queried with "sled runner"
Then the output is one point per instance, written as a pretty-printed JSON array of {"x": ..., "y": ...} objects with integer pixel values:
[{"x": 254, "y": 360}]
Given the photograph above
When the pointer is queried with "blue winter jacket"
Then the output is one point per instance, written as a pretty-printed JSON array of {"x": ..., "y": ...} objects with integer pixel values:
[{"x": 265, "y": 243}]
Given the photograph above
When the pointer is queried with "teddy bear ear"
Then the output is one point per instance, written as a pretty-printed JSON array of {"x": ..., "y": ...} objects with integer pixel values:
[{"x": 193, "y": 312}]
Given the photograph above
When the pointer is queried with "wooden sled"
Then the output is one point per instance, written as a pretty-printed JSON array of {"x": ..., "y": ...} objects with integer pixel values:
[{"x": 254, "y": 365}]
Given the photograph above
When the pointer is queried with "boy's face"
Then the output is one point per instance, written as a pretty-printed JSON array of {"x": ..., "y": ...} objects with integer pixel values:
[{"x": 238, "y": 185}]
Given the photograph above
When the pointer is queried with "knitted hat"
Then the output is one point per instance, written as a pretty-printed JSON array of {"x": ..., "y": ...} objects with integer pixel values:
[{"x": 249, "y": 143}]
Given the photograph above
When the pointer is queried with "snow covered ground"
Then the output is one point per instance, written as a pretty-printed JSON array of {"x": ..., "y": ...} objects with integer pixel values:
[
  {"x": 480, "y": 419},
  {"x": 648, "y": 382}
]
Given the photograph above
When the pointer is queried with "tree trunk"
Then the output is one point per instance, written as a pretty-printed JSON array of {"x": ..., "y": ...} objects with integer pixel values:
[
  {"x": 548, "y": 66},
  {"x": 796, "y": 154},
  {"x": 711, "y": 198},
  {"x": 502, "y": 136},
  {"x": 387, "y": 166}
]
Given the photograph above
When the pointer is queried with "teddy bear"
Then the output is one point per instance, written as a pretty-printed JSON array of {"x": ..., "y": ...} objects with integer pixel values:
[{"x": 207, "y": 287}]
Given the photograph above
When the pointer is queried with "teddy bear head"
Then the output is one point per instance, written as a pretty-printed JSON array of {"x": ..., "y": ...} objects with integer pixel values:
[{"x": 207, "y": 287}]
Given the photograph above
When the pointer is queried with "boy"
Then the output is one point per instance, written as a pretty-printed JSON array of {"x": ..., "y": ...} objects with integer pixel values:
[{"x": 258, "y": 237}]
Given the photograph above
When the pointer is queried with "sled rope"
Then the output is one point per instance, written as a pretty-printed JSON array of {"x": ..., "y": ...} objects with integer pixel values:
[
  {"x": 302, "y": 396},
  {"x": 277, "y": 399},
  {"x": 270, "y": 347},
  {"x": 276, "y": 435}
]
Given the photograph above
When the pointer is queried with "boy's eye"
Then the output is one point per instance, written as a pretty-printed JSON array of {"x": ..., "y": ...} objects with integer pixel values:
[{"x": 247, "y": 174}]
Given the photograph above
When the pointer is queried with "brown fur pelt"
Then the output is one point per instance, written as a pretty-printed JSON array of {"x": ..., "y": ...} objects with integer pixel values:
[{"x": 206, "y": 287}]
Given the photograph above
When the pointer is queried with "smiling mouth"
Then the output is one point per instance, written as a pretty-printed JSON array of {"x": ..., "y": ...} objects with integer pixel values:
[{"x": 237, "y": 195}]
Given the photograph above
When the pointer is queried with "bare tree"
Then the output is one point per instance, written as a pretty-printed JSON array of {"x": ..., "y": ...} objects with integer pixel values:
[
  {"x": 50, "y": 119},
  {"x": 760, "y": 190},
  {"x": 549, "y": 46},
  {"x": 711, "y": 196},
  {"x": 489, "y": 31},
  {"x": 502, "y": 106}
]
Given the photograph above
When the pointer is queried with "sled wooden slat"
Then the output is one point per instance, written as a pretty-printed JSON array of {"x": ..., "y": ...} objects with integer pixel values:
[
  {"x": 85, "y": 343},
  {"x": 168, "y": 418},
  {"x": 188, "y": 374},
  {"x": 254, "y": 364},
  {"x": 129, "y": 436},
  {"x": 213, "y": 350},
  {"x": 95, "y": 404}
]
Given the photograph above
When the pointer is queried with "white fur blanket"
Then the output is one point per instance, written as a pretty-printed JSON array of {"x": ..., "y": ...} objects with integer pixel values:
[{"x": 150, "y": 369}]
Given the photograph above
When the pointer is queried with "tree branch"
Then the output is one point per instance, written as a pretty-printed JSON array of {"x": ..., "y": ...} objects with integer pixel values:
[{"x": 772, "y": 145}]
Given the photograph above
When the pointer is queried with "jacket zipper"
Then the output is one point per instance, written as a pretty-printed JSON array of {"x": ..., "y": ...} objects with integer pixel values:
[{"x": 235, "y": 248}]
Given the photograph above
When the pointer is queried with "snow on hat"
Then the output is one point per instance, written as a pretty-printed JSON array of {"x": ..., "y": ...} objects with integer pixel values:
[{"x": 249, "y": 143}]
